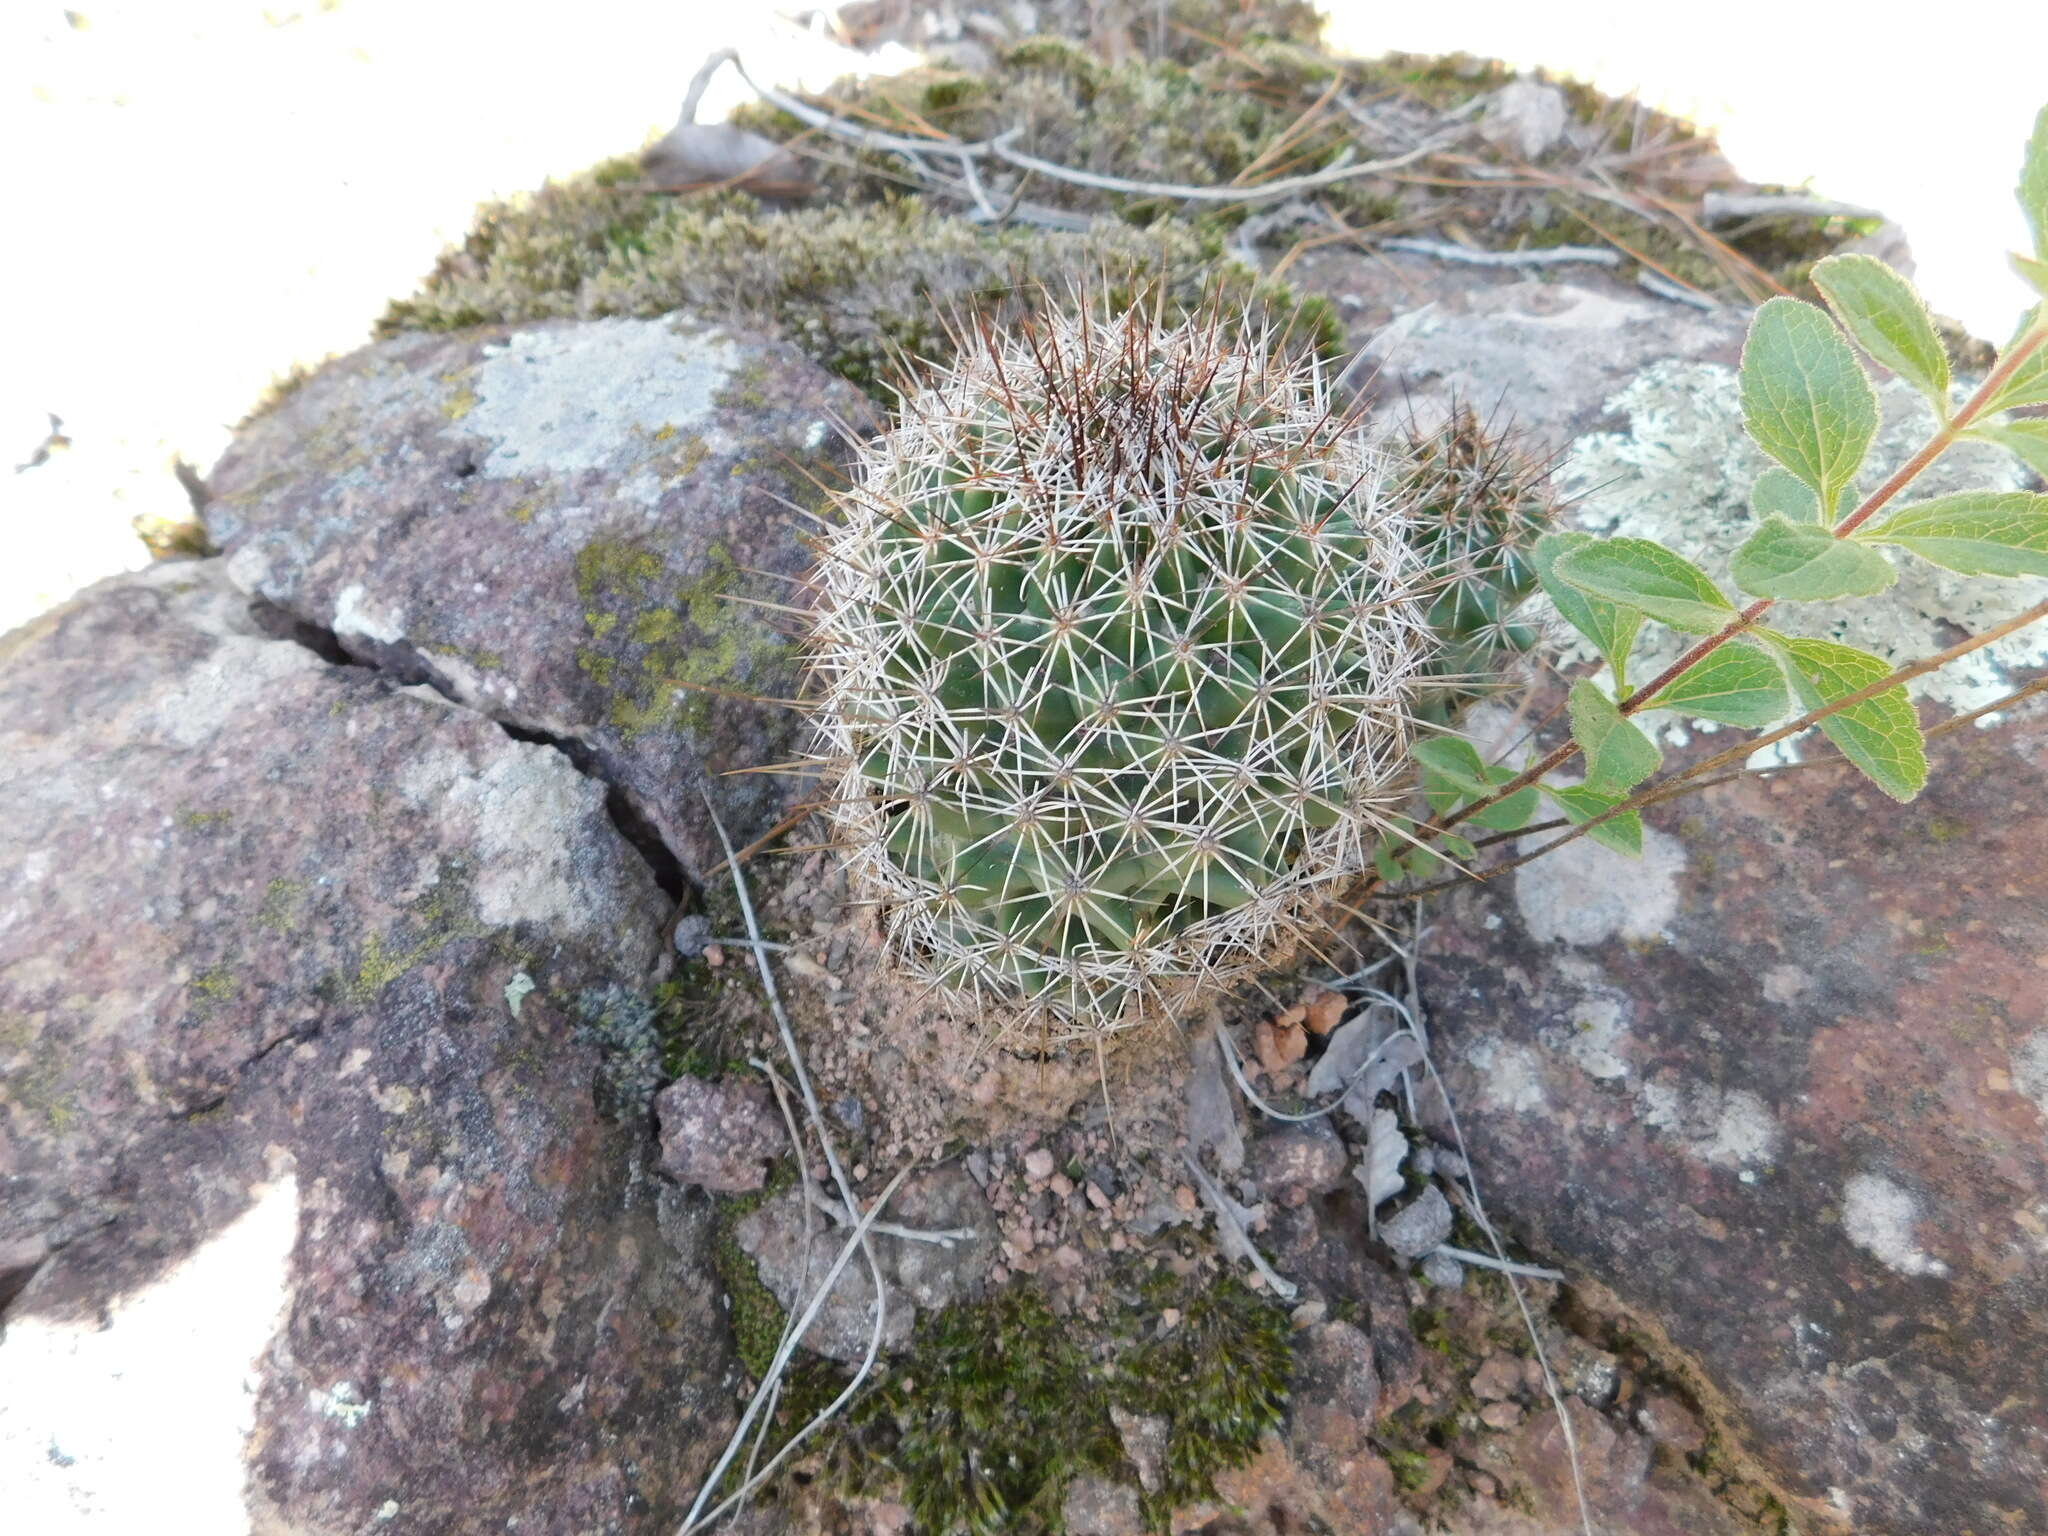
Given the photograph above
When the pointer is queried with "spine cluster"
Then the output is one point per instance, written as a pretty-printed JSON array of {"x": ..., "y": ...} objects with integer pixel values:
[{"x": 1118, "y": 647}]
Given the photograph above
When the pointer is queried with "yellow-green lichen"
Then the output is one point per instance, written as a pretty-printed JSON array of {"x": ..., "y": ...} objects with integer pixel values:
[
  {"x": 280, "y": 910},
  {"x": 211, "y": 990},
  {"x": 659, "y": 651}
]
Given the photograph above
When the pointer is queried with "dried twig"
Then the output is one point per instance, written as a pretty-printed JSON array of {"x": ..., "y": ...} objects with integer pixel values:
[
  {"x": 1235, "y": 1239},
  {"x": 1552, "y": 256},
  {"x": 1734, "y": 207}
]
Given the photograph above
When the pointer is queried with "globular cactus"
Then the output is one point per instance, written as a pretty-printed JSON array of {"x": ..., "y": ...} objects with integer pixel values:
[{"x": 1117, "y": 646}]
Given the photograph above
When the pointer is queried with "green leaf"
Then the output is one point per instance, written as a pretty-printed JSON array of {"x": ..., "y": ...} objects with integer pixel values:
[
  {"x": 1639, "y": 574},
  {"x": 1802, "y": 562},
  {"x": 1618, "y": 755},
  {"x": 1804, "y": 396},
  {"x": 1611, "y": 627},
  {"x": 1457, "y": 847},
  {"x": 2029, "y": 382},
  {"x": 1580, "y": 804},
  {"x": 2033, "y": 187},
  {"x": 2033, "y": 273},
  {"x": 1736, "y": 685},
  {"x": 1979, "y": 533},
  {"x": 1889, "y": 320},
  {"x": 1780, "y": 493},
  {"x": 1453, "y": 772},
  {"x": 1881, "y": 735},
  {"x": 1384, "y": 862},
  {"x": 2026, "y": 437}
]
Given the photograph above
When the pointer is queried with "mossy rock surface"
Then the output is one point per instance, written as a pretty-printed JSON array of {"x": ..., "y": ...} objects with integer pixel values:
[{"x": 570, "y": 527}]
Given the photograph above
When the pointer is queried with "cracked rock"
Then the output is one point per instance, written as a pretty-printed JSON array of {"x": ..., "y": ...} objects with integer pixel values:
[
  {"x": 719, "y": 1136},
  {"x": 558, "y": 525},
  {"x": 262, "y": 1080}
]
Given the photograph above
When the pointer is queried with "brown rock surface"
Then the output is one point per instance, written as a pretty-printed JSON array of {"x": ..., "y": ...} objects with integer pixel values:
[
  {"x": 265, "y": 921},
  {"x": 1780, "y": 1086},
  {"x": 559, "y": 525}
]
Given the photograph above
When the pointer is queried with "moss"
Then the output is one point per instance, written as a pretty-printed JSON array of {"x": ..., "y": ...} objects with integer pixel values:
[
  {"x": 852, "y": 286},
  {"x": 173, "y": 538},
  {"x": 757, "y": 1318},
  {"x": 199, "y": 821},
  {"x": 1001, "y": 1403}
]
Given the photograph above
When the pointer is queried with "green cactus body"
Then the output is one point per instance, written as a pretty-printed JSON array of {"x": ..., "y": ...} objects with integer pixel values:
[{"x": 1118, "y": 646}]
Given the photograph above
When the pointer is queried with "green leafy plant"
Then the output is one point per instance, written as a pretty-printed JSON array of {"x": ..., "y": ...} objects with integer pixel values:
[{"x": 1807, "y": 402}]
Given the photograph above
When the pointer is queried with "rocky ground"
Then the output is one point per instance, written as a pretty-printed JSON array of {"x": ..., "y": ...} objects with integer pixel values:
[{"x": 366, "y": 920}]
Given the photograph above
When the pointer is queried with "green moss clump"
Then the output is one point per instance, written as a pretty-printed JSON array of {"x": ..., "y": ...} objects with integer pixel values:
[
  {"x": 1000, "y": 1404},
  {"x": 853, "y": 287}
]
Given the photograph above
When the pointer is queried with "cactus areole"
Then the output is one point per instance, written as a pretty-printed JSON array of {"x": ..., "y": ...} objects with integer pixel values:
[{"x": 1117, "y": 645}]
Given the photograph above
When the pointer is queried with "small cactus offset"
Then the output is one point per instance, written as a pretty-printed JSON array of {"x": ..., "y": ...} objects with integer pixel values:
[{"x": 1119, "y": 647}]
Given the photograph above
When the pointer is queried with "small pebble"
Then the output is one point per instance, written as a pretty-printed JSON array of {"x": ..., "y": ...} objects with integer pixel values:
[
  {"x": 1038, "y": 1165},
  {"x": 1062, "y": 1186},
  {"x": 1501, "y": 1415},
  {"x": 714, "y": 955},
  {"x": 1184, "y": 1197},
  {"x": 1325, "y": 1011},
  {"x": 1096, "y": 1197}
]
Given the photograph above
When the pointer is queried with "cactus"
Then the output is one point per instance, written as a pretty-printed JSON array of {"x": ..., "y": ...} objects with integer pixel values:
[{"x": 1118, "y": 647}]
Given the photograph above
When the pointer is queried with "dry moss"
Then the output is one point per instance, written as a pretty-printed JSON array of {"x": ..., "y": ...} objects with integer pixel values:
[{"x": 852, "y": 287}]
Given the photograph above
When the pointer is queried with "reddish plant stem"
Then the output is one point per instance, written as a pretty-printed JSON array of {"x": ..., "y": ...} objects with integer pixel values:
[{"x": 1906, "y": 473}]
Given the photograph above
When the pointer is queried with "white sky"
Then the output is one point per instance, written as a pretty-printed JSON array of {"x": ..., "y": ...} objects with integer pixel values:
[{"x": 208, "y": 192}]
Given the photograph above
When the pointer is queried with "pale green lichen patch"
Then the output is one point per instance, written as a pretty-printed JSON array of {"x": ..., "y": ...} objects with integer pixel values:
[
  {"x": 443, "y": 914},
  {"x": 1680, "y": 474}
]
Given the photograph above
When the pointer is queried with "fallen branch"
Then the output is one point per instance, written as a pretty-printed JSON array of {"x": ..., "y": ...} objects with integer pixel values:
[{"x": 1552, "y": 256}]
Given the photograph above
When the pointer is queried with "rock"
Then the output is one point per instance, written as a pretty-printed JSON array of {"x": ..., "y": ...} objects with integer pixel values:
[
  {"x": 922, "y": 1277},
  {"x": 1499, "y": 1376},
  {"x": 1325, "y": 1011},
  {"x": 1334, "y": 1404},
  {"x": 1277, "y": 1494},
  {"x": 1553, "y": 353},
  {"x": 1670, "y": 1422},
  {"x": 1501, "y": 1415},
  {"x": 719, "y": 1136},
  {"x": 1798, "y": 1129},
  {"x": 1144, "y": 1438},
  {"x": 1038, "y": 1165},
  {"x": 560, "y": 526},
  {"x": 1297, "y": 1161},
  {"x": 1095, "y": 1506},
  {"x": 1443, "y": 1271},
  {"x": 1419, "y": 1226},
  {"x": 1525, "y": 118},
  {"x": 1278, "y": 1046},
  {"x": 331, "y": 1233}
]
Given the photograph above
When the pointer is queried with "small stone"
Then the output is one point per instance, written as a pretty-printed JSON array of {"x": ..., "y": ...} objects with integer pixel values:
[
  {"x": 1501, "y": 1415},
  {"x": 719, "y": 1135},
  {"x": 1325, "y": 1011},
  {"x": 714, "y": 955},
  {"x": 1526, "y": 118},
  {"x": 1278, "y": 1046},
  {"x": 1144, "y": 1439},
  {"x": 1308, "y": 1314},
  {"x": 1184, "y": 1197},
  {"x": 1061, "y": 1186},
  {"x": 1483, "y": 1484},
  {"x": 1420, "y": 1226},
  {"x": 1499, "y": 1376},
  {"x": 1443, "y": 1271},
  {"x": 1067, "y": 1256},
  {"x": 1096, "y": 1197},
  {"x": 693, "y": 932},
  {"x": 1664, "y": 1418},
  {"x": 1298, "y": 1161},
  {"x": 1038, "y": 1165},
  {"x": 1095, "y": 1506}
]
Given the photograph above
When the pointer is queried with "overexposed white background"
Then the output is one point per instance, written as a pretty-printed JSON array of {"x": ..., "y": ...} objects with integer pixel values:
[{"x": 204, "y": 192}]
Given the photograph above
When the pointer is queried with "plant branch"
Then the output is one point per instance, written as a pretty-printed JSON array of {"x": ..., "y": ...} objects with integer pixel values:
[
  {"x": 1942, "y": 440},
  {"x": 1685, "y": 783}
]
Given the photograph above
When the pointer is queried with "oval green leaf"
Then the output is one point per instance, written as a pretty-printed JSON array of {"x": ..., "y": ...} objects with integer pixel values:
[
  {"x": 1889, "y": 320},
  {"x": 2026, "y": 438},
  {"x": 1881, "y": 735},
  {"x": 1618, "y": 755},
  {"x": 1611, "y": 627},
  {"x": 1649, "y": 578},
  {"x": 2033, "y": 187},
  {"x": 1580, "y": 804},
  {"x": 1736, "y": 685},
  {"x": 1978, "y": 533},
  {"x": 2029, "y": 382},
  {"x": 1803, "y": 562},
  {"x": 1804, "y": 396}
]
